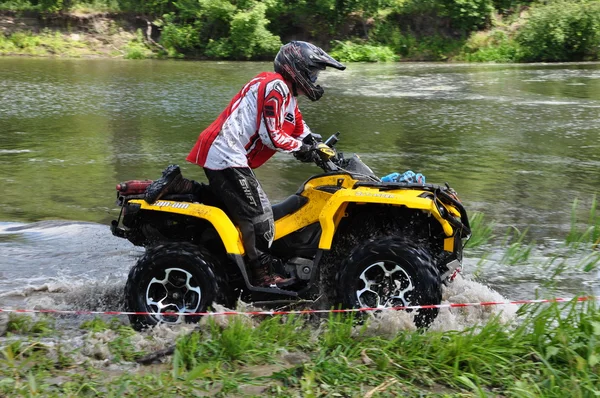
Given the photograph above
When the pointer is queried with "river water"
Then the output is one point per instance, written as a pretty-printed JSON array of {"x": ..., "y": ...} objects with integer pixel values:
[{"x": 520, "y": 143}]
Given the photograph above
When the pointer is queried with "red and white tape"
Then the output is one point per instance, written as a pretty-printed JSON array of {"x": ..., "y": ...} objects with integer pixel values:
[{"x": 302, "y": 312}]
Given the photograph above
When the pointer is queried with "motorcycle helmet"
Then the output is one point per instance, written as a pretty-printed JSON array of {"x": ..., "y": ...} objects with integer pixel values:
[{"x": 300, "y": 62}]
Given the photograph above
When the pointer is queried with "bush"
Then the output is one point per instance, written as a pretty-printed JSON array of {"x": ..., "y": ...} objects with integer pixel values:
[
  {"x": 6, "y": 45},
  {"x": 220, "y": 29},
  {"x": 464, "y": 15},
  {"x": 563, "y": 30},
  {"x": 467, "y": 15},
  {"x": 17, "y": 5},
  {"x": 178, "y": 37},
  {"x": 352, "y": 52},
  {"x": 151, "y": 7},
  {"x": 137, "y": 49},
  {"x": 490, "y": 46},
  {"x": 250, "y": 37},
  {"x": 55, "y": 5},
  {"x": 25, "y": 40}
]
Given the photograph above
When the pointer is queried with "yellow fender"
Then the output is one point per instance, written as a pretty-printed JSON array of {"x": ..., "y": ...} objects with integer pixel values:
[
  {"x": 230, "y": 235},
  {"x": 408, "y": 198}
]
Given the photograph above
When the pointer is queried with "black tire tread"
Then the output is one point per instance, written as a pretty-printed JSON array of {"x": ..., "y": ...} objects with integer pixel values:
[
  {"x": 426, "y": 274},
  {"x": 152, "y": 257}
]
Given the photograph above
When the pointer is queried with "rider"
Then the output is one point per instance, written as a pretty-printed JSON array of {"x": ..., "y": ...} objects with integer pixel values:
[{"x": 261, "y": 119}]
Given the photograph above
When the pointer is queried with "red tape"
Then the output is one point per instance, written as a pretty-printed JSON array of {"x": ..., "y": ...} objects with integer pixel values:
[{"x": 302, "y": 312}]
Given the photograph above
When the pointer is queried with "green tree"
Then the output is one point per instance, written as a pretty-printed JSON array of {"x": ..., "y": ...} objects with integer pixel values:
[
  {"x": 467, "y": 15},
  {"x": 248, "y": 37},
  {"x": 563, "y": 30},
  {"x": 147, "y": 7}
]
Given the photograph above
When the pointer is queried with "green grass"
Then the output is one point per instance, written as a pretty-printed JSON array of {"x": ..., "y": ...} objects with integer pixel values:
[
  {"x": 584, "y": 232},
  {"x": 355, "y": 52},
  {"x": 482, "y": 232},
  {"x": 517, "y": 250},
  {"x": 54, "y": 43},
  {"x": 552, "y": 351},
  {"x": 26, "y": 324},
  {"x": 43, "y": 44}
]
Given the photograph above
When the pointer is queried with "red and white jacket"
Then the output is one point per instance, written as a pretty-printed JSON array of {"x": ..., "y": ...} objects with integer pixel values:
[{"x": 261, "y": 119}]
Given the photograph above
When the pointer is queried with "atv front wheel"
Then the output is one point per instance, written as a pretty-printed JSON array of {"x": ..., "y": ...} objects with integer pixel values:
[
  {"x": 390, "y": 272},
  {"x": 169, "y": 279}
]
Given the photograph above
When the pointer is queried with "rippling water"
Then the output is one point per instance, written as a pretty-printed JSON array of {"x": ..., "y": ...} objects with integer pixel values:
[{"x": 519, "y": 143}]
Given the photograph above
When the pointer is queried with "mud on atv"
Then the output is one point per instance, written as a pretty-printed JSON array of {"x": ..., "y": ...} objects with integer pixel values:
[{"x": 348, "y": 238}]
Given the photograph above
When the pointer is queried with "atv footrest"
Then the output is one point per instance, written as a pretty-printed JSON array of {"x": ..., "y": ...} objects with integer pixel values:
[{"x": 273, "y": 290}]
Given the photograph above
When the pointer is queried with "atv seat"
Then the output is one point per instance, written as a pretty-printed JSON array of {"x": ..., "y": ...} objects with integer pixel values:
[{"x": 287, "y": 206}]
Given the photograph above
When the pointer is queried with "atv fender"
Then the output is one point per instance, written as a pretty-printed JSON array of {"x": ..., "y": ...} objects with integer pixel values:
[
  {"x": 229, "y": 234},
  {"x": 411, "y": 198}
]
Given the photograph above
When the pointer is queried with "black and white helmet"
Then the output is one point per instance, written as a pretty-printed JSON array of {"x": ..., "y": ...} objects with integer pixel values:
[{"x": 300, "y": 63}]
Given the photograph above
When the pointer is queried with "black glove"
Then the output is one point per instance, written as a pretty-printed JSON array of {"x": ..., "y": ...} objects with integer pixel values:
[
  {"x": 311, "y": 138},
  {"x": 305, "y": 154}
]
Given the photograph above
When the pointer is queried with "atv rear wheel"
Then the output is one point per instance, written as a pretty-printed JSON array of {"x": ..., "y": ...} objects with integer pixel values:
[
  {"x": 172, "y": 278},
  {"x": 390, "y": 272}
]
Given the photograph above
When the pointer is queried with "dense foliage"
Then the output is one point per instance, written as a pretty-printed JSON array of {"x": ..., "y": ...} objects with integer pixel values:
[
  {"x": 363, "y": 30},
  {"x": 562, "y": 30}
]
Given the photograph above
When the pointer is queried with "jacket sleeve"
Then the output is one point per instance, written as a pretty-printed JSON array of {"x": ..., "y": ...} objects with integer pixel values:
[
  {"x": 277, "y": 97},
  {"x": 301, "y": 130}
]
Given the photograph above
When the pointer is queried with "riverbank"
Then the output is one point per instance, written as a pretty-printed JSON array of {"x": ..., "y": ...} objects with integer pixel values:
[
  {"x": 411, "y": 30},
  {"x": 75, "y": 35},
  {"x": 551, "y": 350},
  {"x": 553, "y": 32}
]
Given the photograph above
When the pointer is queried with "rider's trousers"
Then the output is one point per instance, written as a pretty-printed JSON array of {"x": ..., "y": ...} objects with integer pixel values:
[{"x": 248, "y": 206}]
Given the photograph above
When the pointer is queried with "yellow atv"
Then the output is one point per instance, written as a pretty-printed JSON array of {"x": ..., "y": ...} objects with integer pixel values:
[{"x": 348, "y": 238}]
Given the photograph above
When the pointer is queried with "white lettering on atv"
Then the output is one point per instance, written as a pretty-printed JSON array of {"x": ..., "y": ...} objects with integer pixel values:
[
  {"x": 374, "y": 194},
  {"x": 173, "y": 205}
]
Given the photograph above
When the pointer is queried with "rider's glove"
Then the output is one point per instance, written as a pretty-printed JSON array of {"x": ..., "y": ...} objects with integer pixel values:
[
  {"x": 317, "y": 137},
  {"x": 311, "y": 138},
  {"x": 305, "y": 153}
]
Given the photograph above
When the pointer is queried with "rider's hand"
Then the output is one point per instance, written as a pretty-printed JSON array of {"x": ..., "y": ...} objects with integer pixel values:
[
  {"x": 305, "y": 153},
  {"x": 317, "y": 137},
  {"x": 312, "y": 138}
]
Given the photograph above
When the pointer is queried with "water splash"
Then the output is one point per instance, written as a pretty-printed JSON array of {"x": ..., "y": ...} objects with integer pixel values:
[
  {"x": 468, "y": 291},
  {"x": 389, "y": 323}
]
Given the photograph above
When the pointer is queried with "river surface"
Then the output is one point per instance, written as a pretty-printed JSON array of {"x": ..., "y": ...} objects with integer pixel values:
[{"x": 520, "y": 143}]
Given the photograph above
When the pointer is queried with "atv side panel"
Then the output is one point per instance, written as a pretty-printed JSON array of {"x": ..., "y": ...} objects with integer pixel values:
[
  {"x": 228, "y": 233},
  {"x": 406, "y": 198}
]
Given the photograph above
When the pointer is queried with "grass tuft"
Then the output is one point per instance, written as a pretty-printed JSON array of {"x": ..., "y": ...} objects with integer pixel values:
[
  {"x": 482, "y": 232},
  {"x": 584, "y": 233}
]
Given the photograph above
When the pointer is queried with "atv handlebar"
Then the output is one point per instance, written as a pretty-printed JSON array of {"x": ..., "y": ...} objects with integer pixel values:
[
  {"x": 331, "y": 141},
  {"x": 325, "y": 158}
]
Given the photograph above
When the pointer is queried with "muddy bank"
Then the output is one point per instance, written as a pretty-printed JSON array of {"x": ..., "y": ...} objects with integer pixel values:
[{"x": 76, "y": 35}]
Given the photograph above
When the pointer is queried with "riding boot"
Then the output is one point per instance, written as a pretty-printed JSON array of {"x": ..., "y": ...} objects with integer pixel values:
[
  {"x": 262, "y": 275},
  {"x": 170, "y": 182}
]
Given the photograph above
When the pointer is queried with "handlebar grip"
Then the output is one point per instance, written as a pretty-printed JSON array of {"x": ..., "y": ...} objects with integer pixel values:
[{"x": 331, "y": 141}]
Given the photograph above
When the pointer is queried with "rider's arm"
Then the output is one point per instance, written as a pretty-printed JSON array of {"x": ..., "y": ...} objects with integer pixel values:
[
  {"x": 303, "y": 132},
  {"x": 273, "y": 112}
]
